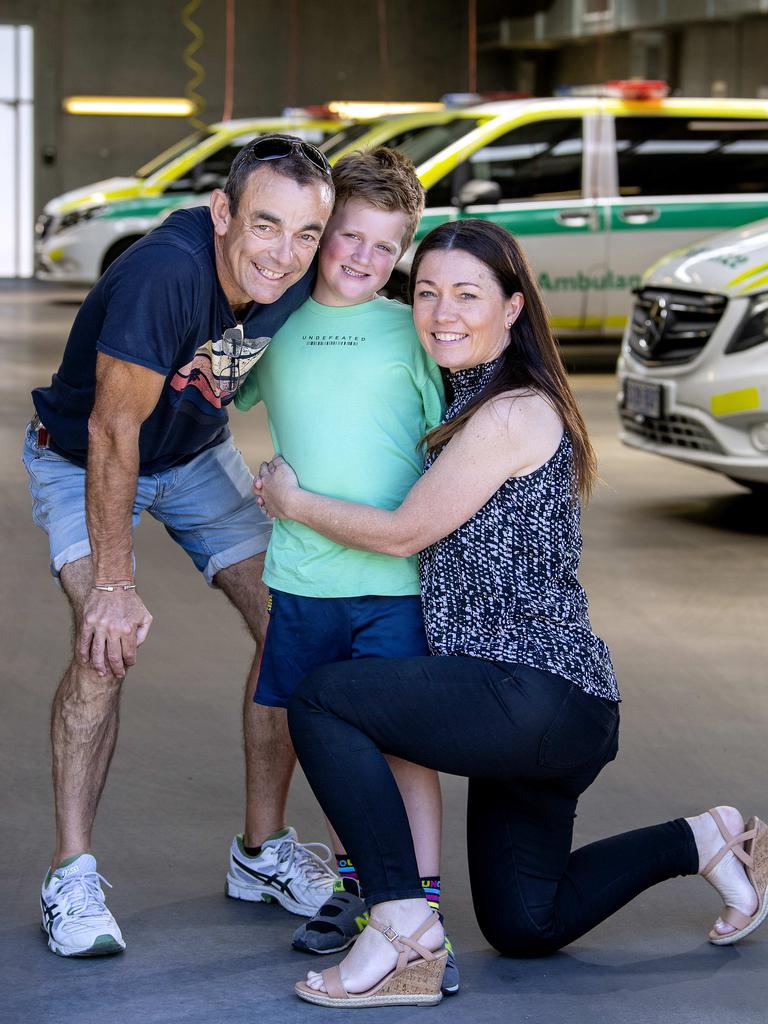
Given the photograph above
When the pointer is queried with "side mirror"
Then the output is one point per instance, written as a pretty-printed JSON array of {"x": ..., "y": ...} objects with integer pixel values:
[{"x": 475, "y": 192}]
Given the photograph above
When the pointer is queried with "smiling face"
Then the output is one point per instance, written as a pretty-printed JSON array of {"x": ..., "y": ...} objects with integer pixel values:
[
  {"x": 460, "y": 312},
  {"x": 269, "y": 243},
  {"x": 360, "y": 248}
]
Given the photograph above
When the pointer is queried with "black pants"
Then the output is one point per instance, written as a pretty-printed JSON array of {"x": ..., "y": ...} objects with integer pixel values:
[{"x": 529, "y": 741}]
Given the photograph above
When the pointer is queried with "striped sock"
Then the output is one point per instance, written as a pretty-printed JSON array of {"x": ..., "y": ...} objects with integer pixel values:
[
  {"x": 345, "y": 867},
  {"x": 431, "y": 887}
]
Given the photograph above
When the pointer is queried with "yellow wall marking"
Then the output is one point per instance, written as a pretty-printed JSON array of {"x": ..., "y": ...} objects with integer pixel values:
[{"x": 735, "y": 401}]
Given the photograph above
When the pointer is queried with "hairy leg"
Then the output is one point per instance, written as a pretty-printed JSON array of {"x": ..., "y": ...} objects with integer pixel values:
[
  {"x": 269, "y": 756},
  {"x": 84, "y": 723}
]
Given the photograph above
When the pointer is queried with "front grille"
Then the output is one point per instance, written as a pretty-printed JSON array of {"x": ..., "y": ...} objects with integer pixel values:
[
  {"x": 670, "y": 328},
  {"x": 675, "y": 431}
]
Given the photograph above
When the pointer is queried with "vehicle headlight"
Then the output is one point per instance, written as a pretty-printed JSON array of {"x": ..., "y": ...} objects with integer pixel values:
[
  {"x": 754, "y": 327},
  {"x": 42, "y": 224},
  {"x": 69, "y": 220}
]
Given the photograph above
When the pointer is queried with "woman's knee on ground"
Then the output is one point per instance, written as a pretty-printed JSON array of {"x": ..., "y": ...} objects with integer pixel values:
[{"x": 516, "y": 936}]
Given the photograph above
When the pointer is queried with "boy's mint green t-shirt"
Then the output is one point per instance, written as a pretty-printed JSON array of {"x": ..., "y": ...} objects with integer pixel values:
[{"x": 349, "y": 391}]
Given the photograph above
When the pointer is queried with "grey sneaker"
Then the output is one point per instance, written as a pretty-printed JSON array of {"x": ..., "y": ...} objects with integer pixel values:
[
  {"x": 74, "y": 914},
  {"x": 337, "y": 923},
  {"x": 451, "y": 980},
  {"x": 285, "y": 870}
]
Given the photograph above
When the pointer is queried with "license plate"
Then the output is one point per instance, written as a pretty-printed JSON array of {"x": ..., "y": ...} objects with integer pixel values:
[{"x": 643, "y": 398}]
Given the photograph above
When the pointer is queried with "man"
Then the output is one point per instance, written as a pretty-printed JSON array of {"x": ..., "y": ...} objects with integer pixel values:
[{"x": 135, "y": 419}]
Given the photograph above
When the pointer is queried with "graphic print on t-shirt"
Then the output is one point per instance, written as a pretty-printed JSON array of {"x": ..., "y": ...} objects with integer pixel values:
[
  {"x": 333, "y": 340},
  {"x": 220, "y": 367}
]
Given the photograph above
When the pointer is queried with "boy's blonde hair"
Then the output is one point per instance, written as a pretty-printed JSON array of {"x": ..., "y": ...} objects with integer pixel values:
[{"x": 384, "y": 178}]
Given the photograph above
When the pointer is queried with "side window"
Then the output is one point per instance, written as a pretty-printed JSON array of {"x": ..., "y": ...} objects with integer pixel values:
[
  {"x": 217, "y": 166},
  {"x": 443, "y": 191},
  {"x": 680, "y": 156},
  {"x": 208, "y": 174},
  {"x": 425, "y": 141},
  {"x": 540, "y": 160}
]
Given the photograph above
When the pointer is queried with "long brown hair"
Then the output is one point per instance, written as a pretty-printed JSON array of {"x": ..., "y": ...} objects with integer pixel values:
[{"x": 532, "y": 359}]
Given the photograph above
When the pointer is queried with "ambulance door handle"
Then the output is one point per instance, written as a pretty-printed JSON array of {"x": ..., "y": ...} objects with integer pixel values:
[
  {"x": 639, "y": 214},
  {"x": 575, "y": 218}
]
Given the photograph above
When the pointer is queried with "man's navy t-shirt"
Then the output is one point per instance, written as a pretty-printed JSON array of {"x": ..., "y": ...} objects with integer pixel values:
[{"x": 160, "y": 305}]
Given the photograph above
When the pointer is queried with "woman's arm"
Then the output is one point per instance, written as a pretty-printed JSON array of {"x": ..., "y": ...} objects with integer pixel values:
[{"x": 510, "y": 436}]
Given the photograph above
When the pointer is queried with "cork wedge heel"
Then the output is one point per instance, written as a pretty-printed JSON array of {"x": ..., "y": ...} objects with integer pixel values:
[
  {"x": 751, "y": 848},
  {"x": 411, "y": 983}
]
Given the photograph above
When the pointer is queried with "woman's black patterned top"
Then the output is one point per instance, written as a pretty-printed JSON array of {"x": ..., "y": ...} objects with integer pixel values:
[{"x": 504, "y": 585}]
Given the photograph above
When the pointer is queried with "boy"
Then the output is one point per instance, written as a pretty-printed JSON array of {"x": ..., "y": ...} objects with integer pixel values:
[{"x": 349, "y": 392}]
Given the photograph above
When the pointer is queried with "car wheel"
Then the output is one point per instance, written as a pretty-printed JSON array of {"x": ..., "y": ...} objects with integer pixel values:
[{"x": 117, "y": 250}]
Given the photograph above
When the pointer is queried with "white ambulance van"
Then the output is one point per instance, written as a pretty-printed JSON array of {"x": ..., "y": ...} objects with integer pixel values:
[
  {"x": 596, "y": 186},
  {"x": 599, "y": 184},
  {"x": 693, "y": 369}
]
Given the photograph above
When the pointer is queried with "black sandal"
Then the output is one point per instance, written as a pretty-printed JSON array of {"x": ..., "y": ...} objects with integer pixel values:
[{"x": 337, "y": 923}]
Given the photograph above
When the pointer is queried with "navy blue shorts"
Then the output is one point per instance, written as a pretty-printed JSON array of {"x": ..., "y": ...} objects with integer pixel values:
[{"x": 305, "y": 633}]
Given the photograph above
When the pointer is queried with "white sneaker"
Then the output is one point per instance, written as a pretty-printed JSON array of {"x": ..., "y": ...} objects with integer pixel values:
[
  {"x": 285, "y": 870},
  {"x": 75, "y": 916}
]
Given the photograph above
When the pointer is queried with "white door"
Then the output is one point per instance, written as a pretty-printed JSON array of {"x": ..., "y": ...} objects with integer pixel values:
[
  {"x": 16, "y": 174},
  {"x": 541, "y": 171}
]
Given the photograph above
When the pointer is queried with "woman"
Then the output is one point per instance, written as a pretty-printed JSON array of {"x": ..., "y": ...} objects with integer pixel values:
[{"x": 521, "y": 694}]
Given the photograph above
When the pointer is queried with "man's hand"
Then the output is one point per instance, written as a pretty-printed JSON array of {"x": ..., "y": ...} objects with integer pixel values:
[
  {"x": 275, "y": 486},
  {"x": 114, "y": 626}
]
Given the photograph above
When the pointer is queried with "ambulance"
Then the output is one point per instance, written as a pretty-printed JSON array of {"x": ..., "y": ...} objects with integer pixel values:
[
  {"x": 193, "y": 165},
  {"x": 597, "y": 185},
  {"x": 693, "y": 369},
  {"x": 81, "y": 232}
]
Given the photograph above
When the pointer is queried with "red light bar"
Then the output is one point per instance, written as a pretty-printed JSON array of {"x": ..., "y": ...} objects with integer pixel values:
[{"x": 637, "y": 88}]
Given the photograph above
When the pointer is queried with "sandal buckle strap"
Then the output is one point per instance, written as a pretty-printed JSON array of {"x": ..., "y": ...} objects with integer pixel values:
[{"x": 733, "y": 844}]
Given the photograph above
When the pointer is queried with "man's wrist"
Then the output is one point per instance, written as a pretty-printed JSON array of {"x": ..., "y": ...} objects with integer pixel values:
[{"x": 113, "y": 586}]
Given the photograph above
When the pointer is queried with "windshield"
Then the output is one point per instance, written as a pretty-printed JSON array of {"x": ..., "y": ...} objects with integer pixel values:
[
  {"x": 344, "y": 137},
  {"x": 422, "y": 143},
  {"x": 172, "y": 153}
]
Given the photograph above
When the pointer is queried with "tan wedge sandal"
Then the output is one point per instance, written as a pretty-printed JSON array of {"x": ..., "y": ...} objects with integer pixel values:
[
  {"x": 412, "y": 982},
  {"x": 751, "y": 848}
]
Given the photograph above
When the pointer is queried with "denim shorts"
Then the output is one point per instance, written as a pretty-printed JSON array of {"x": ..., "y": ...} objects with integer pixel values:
[
  {"x": 305, "y": 633},
  {"x": 206, "y": 505}
]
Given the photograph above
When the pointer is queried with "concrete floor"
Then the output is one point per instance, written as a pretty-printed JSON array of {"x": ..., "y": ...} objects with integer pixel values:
[{"x": 675, "y": 565}]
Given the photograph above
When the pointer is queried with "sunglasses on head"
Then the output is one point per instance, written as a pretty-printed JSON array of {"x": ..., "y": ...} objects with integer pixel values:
[{"x": 278, "y": 149}]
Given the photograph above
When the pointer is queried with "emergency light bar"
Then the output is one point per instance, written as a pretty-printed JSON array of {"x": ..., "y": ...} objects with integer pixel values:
[
  {"x": 621, "y": 88},
  {"x": 360, "y": 109},
  {"x": 472, "y": 99}
]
